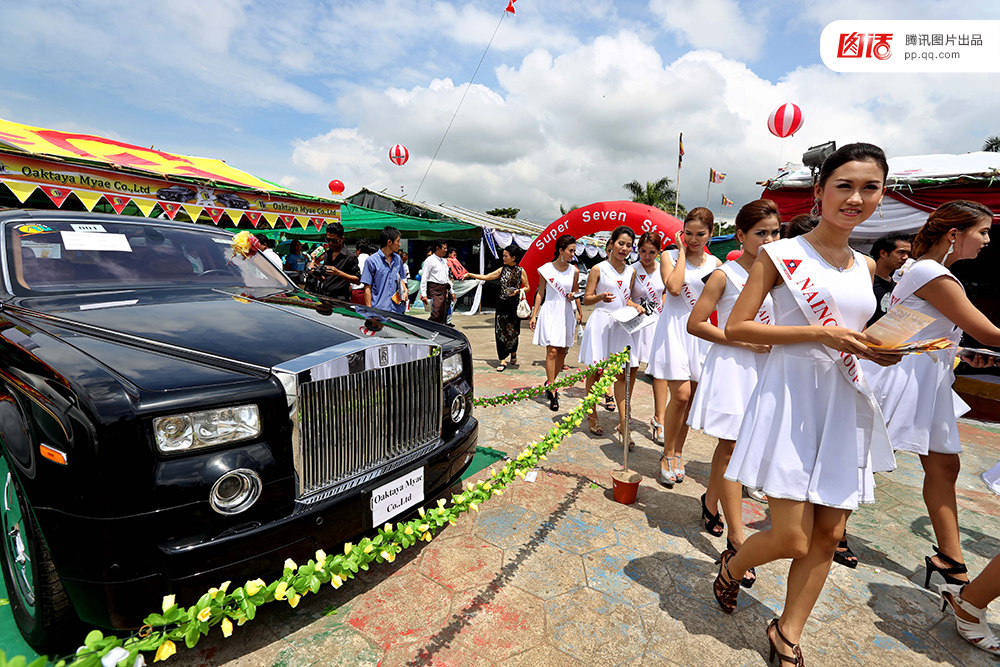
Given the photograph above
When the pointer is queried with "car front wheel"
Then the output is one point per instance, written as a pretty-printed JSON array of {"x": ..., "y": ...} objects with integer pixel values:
[{"x": 41, "y": 607}]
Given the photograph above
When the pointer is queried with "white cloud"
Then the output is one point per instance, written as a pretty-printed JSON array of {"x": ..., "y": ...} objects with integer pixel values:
[
  {"x": 571, "y": 129},
  {"x": 721, "y": 25}
]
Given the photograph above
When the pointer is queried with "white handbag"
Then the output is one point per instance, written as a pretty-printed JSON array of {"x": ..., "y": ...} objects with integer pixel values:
[{"x": 523, "y": 307}]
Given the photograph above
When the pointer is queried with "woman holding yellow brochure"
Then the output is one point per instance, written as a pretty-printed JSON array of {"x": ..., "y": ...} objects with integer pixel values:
[{"x": 916, "y": 397}]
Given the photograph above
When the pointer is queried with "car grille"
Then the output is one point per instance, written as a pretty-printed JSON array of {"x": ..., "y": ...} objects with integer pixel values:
[{"x": 367, "y": 422}]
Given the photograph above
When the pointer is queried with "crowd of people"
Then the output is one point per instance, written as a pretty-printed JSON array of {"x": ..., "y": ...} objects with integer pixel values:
[{"x": 768, "y": 354}]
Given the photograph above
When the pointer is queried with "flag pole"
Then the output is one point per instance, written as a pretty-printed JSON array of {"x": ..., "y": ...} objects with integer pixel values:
[
  {"x": 708, "y": 193},
  {"x": 677, "y": 195}
]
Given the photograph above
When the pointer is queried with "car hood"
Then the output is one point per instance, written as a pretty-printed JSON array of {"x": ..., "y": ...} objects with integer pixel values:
[{"x": 260, "y": 327}]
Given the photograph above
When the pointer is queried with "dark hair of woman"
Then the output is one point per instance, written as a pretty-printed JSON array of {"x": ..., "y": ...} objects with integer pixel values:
[
  {"x": 753, "y": 212},
  {"x": 296, "y": 247},
  {"x": 701, "y": 215},
  {"x": 514, "y": 251},
  {"x": 801, "y": 224},
  {"x": 619, "y": 230},
  {"x": 959, "y": 214},
  {"x": 858, "y": 152},
  {"x": 651, "y": 237},
  {"x": 563, "y": 242}
]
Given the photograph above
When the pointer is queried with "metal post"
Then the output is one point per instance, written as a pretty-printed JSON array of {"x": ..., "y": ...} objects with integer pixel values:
[{"x": 627, "y": 370}]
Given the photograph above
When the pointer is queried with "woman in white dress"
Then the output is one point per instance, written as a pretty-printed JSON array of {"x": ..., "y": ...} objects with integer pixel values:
[
  {"x": 677, "y": 356},
  {"x": 555, "y": 314},
  {"x": 813, "y": 434},
  {"x": 916, "y": 396},
  {"x": 647, "y": 289},
  {"x": 609, "y": 287},
  {"x": 730, "y": 372}
]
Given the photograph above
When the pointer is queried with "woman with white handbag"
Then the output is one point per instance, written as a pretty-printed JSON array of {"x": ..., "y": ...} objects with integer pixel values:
[{"x": 513, "y": 282}]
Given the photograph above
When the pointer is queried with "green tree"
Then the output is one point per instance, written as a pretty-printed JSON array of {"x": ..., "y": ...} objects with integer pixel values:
[
  {"x": 504, "y": 212},
  {"x": 658, "y": 194},
  {"x": 992, "y": 144},
  {"x": 563, "y": 210}
]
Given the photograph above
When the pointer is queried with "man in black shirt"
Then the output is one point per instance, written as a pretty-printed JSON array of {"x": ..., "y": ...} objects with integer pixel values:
[
  {"x": 339, "y": 268},
  {"x": 890, "y": 252}
]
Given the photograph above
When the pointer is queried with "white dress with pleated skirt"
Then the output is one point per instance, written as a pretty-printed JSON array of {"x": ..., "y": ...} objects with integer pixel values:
[
  {"x": 915, "y": 395},
  {"x": 556, "y": 324},
  {"x": 648, "y": 287},
  {"x": 729, "y": 374},
  {"x": 676, "y": 354},
  {"x": 804, "y": 426},
  {"x": 603, "y": 335}
]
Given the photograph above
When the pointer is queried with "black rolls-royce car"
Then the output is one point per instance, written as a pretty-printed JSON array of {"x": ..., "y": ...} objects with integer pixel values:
[{"x": 173, "y": 416}]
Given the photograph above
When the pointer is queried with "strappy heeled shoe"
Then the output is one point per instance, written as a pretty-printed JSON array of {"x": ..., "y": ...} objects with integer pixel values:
[
  {"x": 845, "y": 556},
  {"x": 750, "y": 578},
  {"x": 726, "y": 590},
  {"x": 667, "y": 477},
  {"x": 978, "y": 632},
  {"x": 678, "y": 470},
  {"x": 947, "y": 572},
  {"x": 795, "y": 658},
  {"x": 609, "y": 403},
  {"x": 713, "y": 522},
  {"x": 657, "y": 429},
  {"x": 594, "y": 424},
  {"x": 553, "y": 397},
  {"x": 631, "y": 442}
]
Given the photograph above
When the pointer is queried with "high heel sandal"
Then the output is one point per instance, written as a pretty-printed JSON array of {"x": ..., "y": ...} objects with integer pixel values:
[
  {"x": 609, "y": 403},
  {"x": 553, "y": 400},
  {"x": 667, "y": 476},
  {"x": 631, "y": 442},
  {"x": 725, "y": 591},
  {"x": 713, "y": 522},
  {"x": 657, "y": 429},
  {"x": 977, "y": 633},
  {"x": 845, "y": 557},
  {"x": 947, "y": 572},
  {"x": 678, "y": 470},
  {"x": 750, "y": 578},
  {"x": 795, "y": 658},
  {"x": 594, "y": 424}
]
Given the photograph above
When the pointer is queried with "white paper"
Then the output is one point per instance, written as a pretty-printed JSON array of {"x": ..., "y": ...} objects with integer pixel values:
[
  {"x": 898, "y": 325},
  {"x": 88, "y": 228},
  {"x": 100, "y": 242},
  {"x": 531, "y": 476},
  {"x": 631, "y": 319},
  {"x": 397, "y": 496}
]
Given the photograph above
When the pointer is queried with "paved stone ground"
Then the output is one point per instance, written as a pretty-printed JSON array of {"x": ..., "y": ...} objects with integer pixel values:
[{"x": 556, "y": 573}]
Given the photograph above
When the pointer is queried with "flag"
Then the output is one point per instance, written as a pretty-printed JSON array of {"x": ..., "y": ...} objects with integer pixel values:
[
  {"x": 510, "y": 7},
  {"x": 680, "y": 154},
  {"x": 725, "y": 200},
  {"x": 716, "y": 176},
  {"x": 490, "y": 242}
]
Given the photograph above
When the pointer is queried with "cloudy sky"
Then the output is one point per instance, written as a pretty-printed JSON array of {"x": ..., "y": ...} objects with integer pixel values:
[{"x": 573, "y": 99}]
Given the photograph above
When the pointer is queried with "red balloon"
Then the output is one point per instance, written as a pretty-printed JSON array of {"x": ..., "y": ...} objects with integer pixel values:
[
  {"x": 399, "y": 155},
  {"x": 733, "y": 254},
  {"x": 336, "y": 187},
  {"x": 785, "y": 121}
]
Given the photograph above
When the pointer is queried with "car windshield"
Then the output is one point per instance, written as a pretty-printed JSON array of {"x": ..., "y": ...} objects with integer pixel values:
[{"x": 72, "y": 256}]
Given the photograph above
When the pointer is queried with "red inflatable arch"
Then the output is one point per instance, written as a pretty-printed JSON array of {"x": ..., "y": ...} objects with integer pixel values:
[{"x": 602, "y": 216}]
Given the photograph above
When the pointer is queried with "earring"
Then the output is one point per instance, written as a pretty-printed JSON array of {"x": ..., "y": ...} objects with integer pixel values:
[
  {"x": 815, "y": 208},
  {"x": 880, "y": 216},
  {"x": 951, "y": 249}
]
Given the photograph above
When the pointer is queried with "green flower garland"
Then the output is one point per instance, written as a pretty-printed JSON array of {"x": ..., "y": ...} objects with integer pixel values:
[
  {"x": 220, "y": 607},
  {"x": 531, "y": 392}
]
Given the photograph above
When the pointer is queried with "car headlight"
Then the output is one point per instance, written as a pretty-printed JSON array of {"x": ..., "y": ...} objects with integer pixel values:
[
  {"x": 210, "y": 427},
  {"x": 451, "y": 367}
]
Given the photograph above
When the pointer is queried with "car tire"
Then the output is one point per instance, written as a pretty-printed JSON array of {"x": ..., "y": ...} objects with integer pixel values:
[{"x": 42, "y": 609}]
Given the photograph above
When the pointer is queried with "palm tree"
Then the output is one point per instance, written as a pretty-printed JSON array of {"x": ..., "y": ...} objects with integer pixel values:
[
  {"x": 658, "y": 194},
  {"x": 992, "y": 144}
]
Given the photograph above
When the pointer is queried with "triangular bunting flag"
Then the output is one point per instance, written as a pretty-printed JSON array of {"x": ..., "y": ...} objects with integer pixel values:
[
  {"x": 271, "y": 218},
  {"x": 169, "y": 208},
  {"x": 118, "y": 203},
  {"x": 214, "y": 213},
  {"x": 88, "y": 198},
  {"x": 194, "y": 211},
  {"x": 235, "y": 215},
  {"x": 253, "y": 217},
  {"x": 56, "y": 194},
  {"x": 287, "y": 220},
  {"x": 20, "y": 189},
  {"x": 302, "y": 220},
  {"x": 146, "y": 206}
]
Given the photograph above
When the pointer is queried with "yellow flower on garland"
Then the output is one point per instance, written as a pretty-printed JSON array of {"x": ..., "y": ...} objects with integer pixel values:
[
  {"x": 166, "y": 649},
  {"x": 227, "y": 627}
]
